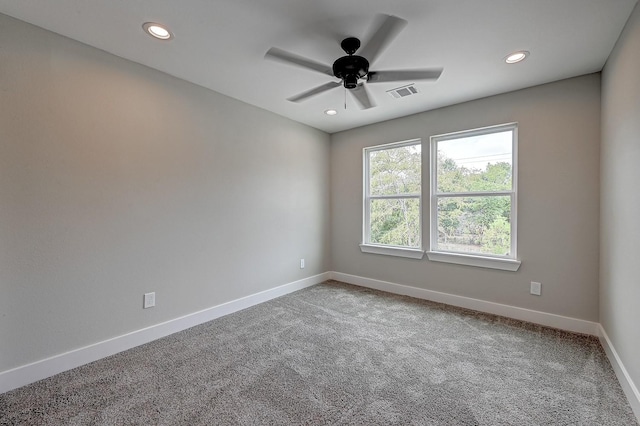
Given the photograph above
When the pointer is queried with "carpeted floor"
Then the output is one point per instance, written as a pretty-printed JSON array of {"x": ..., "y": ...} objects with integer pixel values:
[{"x": 339, "y": 354}]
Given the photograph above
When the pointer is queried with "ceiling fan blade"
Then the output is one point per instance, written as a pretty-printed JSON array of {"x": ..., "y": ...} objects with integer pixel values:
[
  {"x": 404, "y": 75},
  {"x": 361, "y": 95},
  {"x": 290, "y": 58},
  {"x": 315, "y": 91},
  {"x": 386, "y": 32}
]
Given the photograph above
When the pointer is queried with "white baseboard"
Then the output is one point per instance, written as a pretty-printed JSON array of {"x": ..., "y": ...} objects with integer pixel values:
[
  {"x": 629, "y": 388},
  {"x": 29, "y": 373},
  {"x": 537, "y": 317}
]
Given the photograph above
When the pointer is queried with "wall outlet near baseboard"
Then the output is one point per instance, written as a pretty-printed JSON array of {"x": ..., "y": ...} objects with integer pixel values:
[
  {"x": 536, "y": 288},
  {"x": 301, "y": 263},
  {"x": 149, "y": 300}
]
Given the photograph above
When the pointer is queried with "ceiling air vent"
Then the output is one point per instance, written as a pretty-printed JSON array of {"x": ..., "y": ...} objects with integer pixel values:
[{"x": 404, "y": 91}]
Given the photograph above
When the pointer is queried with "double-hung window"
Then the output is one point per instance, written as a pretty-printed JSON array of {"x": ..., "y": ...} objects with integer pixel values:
[
  {"x": 473, "y": 197},
  {"x": 392, "y": 199}
]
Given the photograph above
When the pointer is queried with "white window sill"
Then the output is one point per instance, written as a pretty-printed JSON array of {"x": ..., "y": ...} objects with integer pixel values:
[
  {"x": 392, "y": 251},
  {"x": 471, "y": 260}
]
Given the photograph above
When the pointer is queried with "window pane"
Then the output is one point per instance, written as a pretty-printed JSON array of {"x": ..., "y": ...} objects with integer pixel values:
[
  {"x": 478, "y": 225},
  {"x": 475, "y": 163},
  {"x": 395, "y": 171},
  {"x": 395, "y": 222}
]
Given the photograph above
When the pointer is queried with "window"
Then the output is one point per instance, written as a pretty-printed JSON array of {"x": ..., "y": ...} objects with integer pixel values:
[
  {"x": 392, "y": 199},
  {"x": 473, "y": 197}
]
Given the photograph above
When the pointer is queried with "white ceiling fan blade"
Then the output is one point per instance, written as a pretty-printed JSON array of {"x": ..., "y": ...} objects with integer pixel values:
[
  {"x": 291, "y": 58},
  {"x": 315, "y": 91},
  {"x": 386, "y": 32},
  {"x": 361, "y": 95}
]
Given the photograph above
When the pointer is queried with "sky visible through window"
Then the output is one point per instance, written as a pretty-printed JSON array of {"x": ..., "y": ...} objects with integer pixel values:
[{"x": 476, "y": 152}]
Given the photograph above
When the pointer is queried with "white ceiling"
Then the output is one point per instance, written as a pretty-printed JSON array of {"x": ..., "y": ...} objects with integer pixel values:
[{"x": 220, "y": 44}]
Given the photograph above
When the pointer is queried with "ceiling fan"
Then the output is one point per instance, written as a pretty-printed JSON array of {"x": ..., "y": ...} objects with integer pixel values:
[{"x": 353, "y": 70}]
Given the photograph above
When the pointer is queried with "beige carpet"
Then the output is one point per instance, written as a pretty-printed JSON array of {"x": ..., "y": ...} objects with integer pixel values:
[{"x": 338, "y": 354}]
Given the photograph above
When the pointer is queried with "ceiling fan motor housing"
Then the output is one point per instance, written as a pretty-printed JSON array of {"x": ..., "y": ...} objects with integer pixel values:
[{"x": 350, "y": 69}]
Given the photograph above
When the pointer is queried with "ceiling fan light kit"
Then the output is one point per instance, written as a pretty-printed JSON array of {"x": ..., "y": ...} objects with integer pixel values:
[{"x": 353, "y": 70}]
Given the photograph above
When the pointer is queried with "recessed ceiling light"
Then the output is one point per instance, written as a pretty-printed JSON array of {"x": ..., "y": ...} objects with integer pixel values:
[
  {"x": 157, "y": 31},
  {"x": 516, "y": 57},
  {"x": 331, "y": 112}
]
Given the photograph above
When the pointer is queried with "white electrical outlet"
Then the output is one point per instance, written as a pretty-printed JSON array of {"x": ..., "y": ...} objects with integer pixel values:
[
  {"x": 536, "y": 288},
  {"x": 301, "y": 263},
  {"x": 149, "y": 300}
]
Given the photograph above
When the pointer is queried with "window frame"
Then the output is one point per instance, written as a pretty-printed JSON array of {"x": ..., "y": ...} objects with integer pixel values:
[
  {"x": 509, "y": 263},
  {"x": 366, "y": 246}
]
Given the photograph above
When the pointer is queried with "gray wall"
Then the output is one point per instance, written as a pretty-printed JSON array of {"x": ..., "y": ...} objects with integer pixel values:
[
  {"x": 116, "y": 180},
  {"x": 620, "y": 207},
  {"x": 559, "y": 134}
]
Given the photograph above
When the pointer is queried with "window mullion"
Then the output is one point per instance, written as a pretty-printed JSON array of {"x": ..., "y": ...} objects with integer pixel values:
[
  {"x": 393, "y": 197},
  {"x": 474, "y": 194}
]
